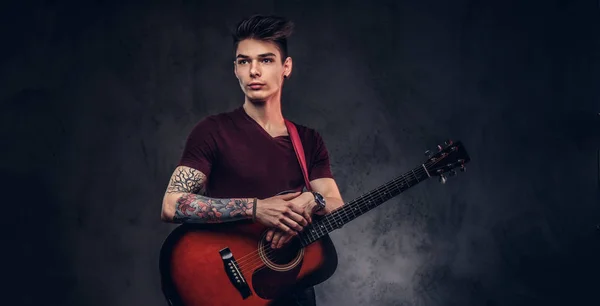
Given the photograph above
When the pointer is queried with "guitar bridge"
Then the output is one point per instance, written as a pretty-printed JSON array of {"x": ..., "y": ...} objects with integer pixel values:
[{"x": 235, "y": 273}]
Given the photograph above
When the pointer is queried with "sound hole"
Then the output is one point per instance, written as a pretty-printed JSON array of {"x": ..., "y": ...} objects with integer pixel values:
[
  {"x": 283, "y": 255},
  {"x": 283, "y": 259}
]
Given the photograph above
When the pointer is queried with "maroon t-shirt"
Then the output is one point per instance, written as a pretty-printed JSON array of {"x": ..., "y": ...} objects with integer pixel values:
[{"x": 240, "y": 159}]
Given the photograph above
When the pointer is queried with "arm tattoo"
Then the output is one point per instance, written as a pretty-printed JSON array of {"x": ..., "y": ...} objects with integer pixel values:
[
  {"x": 186, "y": 180},
  {"x": 192, "y": 208}
]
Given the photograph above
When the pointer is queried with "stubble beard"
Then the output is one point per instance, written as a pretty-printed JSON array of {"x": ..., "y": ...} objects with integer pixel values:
[{"x": 258, "y": 98}]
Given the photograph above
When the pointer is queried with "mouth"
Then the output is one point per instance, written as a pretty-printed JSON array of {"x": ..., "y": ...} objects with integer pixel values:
[{"x": 256, "y": 85}]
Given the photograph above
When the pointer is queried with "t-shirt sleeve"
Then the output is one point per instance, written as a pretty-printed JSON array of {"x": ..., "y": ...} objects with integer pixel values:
[
  {"x": 200, "y": 148},
  {"x": 320, "y": 165}
]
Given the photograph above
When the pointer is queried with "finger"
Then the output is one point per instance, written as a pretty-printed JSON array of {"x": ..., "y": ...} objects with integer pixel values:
[
  {"x": 276, "y": 238},
  {"x": 289, "y": 196},
  {"x": 287, "y": 239},
  {"x": 295, "y": 207},
  {"x": 292, "y": 224},
  {"x": 270, "y": 234},
  {"x": 283, "y": 240},
  {"x": 307, "y": 216},
  {"x": 298, "y": 218},
  {"x": 285, "y": 229}
]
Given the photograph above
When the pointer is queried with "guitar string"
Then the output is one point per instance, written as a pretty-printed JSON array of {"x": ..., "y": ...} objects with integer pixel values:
[
  {"x": 257, "y": 265},
  {"x": 244, "y": 261}
]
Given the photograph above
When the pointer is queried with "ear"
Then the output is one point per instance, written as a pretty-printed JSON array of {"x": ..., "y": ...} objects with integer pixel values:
[{"x": 287, "y": 67}]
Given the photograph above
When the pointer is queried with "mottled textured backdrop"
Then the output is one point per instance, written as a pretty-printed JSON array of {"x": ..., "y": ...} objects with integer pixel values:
[{"x": 97, "y": 99}]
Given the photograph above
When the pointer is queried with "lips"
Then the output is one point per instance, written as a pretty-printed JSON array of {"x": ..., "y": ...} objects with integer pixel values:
[{"x": 255, "y": 85}]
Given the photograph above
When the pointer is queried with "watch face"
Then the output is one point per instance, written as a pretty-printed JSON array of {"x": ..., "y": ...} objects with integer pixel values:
[{"x": 319, "y": 199}]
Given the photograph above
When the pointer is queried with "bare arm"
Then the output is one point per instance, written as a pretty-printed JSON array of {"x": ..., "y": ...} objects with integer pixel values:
[
  {"x": 330, "y": 191},
  {"x": 183, "y": 202}
]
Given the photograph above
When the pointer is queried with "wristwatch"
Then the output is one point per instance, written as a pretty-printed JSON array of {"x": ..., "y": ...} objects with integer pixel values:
[{"x": 320, "y": 200}]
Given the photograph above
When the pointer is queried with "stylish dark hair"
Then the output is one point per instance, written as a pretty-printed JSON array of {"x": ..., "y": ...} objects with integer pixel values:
[{"x": 266, "y": 28}]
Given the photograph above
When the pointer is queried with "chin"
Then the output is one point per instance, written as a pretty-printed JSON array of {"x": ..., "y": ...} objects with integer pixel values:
[{"x": 257, "y": 97}]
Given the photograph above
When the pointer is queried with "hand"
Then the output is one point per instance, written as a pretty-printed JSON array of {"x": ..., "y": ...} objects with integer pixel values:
[
  {"x": 278, "y": 238},
  {"x": 307, "y": 201},
  {"x": 282, "y": 213}
]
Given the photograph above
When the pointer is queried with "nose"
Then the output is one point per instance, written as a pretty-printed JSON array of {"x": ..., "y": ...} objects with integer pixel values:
[{"x": 254, "y": 71}]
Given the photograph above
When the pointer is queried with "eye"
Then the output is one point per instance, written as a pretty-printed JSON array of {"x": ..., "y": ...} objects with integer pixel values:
[
  {"x": 267, "y": 60},
  {"x": 241, "y": 62}
]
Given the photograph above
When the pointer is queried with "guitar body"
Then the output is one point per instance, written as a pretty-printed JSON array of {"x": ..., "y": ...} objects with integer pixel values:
[{"x": 194, "y": 271}]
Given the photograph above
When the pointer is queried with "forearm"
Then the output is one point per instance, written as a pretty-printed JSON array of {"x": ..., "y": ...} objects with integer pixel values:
[
  {"x": 194, "y": 208},
  {"x": 332, "y": 203}
]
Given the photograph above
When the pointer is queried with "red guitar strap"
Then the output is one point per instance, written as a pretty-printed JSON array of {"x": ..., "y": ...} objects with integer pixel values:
[{"x": 299, "y": 150}]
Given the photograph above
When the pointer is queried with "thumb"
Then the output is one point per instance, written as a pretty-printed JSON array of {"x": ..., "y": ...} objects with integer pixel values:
[{"x": 289, "y": 196}]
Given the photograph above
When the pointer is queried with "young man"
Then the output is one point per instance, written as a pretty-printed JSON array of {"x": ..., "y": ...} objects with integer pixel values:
[{"x": 234, "y": 163}]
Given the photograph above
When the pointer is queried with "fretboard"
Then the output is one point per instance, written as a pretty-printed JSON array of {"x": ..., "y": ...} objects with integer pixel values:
[{"x": 357, "y": 207}]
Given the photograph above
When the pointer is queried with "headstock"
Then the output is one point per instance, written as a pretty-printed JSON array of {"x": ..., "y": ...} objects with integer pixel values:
[{"x": 444, "y": 162}]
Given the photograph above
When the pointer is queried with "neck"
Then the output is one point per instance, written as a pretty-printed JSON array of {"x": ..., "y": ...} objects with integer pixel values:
[{"x": 266, "y": 113}]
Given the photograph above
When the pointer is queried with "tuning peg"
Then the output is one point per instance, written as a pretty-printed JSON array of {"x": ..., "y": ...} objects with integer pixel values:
[
  {"x": 440, "y": 148},
  {"x": 463, "y": 168},
  {"x": 428, "y": 153},
  {"x": 443, "y": 179},
  {"x": 453, "y": 173},
  {"x": 448, "y": 142}
]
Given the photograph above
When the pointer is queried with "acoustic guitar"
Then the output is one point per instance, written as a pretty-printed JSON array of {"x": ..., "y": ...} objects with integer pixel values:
[{"x": 233, "y": 264}]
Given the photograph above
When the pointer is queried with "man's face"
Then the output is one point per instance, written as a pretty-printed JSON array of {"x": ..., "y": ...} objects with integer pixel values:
[{"x": 259, "y": 69}]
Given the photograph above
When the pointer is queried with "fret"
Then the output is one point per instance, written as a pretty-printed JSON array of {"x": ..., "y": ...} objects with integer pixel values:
[
  {"x": 332, "y": 225},
  {"x": 329, "y": 222},
  {"x": 323, "y": 227},
  {"x": 318, "y": 229},
  {"x": 398, "y": 187},
  {"x": 356, "y": 209},
  {"x": 384, "y": 194},
  {"x": 413, "y": 173},
  {"x": 382, "y": 199},
  {"x": 313, "y": 231},
  {"x": 340, "y": 217},
  {"x": 331, "y": 217},
  {"x": 310, "y": 232},
  {"x": 344, "y": 216},
  {"x": 338, "y": 221},
  {"x": 388, "y": 192},
  {"x": 353, "y": 210},
  {"x": 347, "y": 215}
]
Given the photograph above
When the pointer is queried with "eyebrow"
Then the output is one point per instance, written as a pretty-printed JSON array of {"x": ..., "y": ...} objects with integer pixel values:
[{"x": 260, "y": 55}]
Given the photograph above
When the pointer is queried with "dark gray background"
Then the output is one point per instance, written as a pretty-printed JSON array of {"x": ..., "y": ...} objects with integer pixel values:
[{"x": 97, "y": 99}]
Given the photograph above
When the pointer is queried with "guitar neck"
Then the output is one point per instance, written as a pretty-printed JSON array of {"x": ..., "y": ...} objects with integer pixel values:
[{"x": 359, "y": 206}]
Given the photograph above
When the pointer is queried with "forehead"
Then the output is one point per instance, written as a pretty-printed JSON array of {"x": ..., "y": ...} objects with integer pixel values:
[{"x": 253, "y": 47}]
